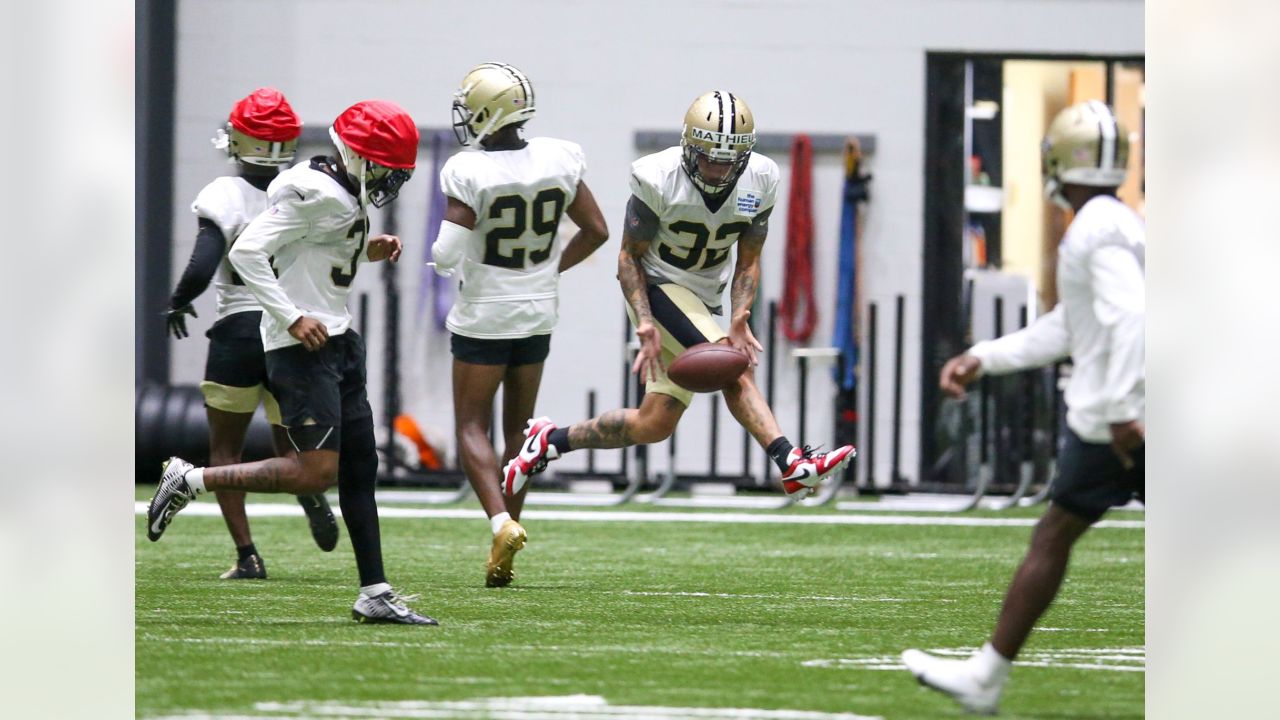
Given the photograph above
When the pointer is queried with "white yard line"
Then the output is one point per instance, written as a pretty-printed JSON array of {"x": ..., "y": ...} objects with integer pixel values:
[
  {"x": 1125, "y": 659},
  {"x": 210, "y": 508},
  {"x": 565, "y": 707}
]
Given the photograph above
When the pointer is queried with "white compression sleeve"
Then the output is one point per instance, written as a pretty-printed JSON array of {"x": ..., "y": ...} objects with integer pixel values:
[{"x": 449, "y": 247}]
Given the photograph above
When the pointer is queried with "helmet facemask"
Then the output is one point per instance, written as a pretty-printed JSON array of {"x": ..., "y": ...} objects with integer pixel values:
[
  {"x": 737, "y": 162},
  {"x": 385, "y": 183},
  {"x": 379, "y": 184}
]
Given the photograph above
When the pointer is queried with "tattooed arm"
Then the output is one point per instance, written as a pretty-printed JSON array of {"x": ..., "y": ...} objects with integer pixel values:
[
  {"x": 746, "y": 278},
  {"x": 640, "y": 228}
]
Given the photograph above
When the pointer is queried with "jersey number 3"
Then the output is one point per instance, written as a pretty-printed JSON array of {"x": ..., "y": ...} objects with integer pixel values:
[
  {"x": 344, "y": 279},
  {"x": 547, "y": 207}
]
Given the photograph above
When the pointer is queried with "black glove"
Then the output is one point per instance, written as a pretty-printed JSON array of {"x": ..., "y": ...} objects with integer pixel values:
[{"x": 177, "y": 320}]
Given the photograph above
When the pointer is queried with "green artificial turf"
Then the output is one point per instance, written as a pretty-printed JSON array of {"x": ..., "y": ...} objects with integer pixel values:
[{"x": 671, "y": 614}]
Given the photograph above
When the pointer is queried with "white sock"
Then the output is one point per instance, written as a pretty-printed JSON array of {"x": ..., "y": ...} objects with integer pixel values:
[
  {"x": 195, "y": 479},
  {"x": 497, "y": 520},
  {"x": 990, "y": 665},
  {"x": 375, "y": 590}
]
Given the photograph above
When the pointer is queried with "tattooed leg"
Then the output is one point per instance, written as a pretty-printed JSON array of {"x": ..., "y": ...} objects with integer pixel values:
[
  {"x": 750, "y": 410},
  {"x": 653, "y": 422},
  {"x": 312, "y": 472}
]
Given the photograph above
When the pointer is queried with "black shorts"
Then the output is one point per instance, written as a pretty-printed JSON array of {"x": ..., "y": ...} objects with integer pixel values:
[
  {"x": 235, "y": 351},
  {"x": 322, "y": 392},
  {"x": 520, "y": 351},
  {"x": 1091, "y": 480}
]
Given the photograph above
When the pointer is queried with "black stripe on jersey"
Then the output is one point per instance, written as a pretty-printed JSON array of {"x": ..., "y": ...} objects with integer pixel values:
[
  {"x": 733, "y": 114},
  {"x": 673, "y": 320}
]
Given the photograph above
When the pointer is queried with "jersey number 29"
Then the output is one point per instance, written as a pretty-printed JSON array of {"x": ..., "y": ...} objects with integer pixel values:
[{"x": 503, "y": 246}]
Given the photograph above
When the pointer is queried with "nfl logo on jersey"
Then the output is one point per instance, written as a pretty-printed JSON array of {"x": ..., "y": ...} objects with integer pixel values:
[{"x": 748, "y": 203}]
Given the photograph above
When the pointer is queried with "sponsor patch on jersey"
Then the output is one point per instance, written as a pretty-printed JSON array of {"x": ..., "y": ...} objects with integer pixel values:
[{"x": 749, "y": 202}]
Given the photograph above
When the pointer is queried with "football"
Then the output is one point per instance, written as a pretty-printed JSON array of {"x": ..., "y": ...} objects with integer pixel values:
[{"x": 707, "y": 367}]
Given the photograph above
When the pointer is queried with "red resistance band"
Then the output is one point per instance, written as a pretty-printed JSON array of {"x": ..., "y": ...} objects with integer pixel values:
[{"x": 798, "y": 313}]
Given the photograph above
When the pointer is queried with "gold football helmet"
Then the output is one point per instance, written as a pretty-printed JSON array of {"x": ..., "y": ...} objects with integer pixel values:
[
  {"x": 248, "y": 149},
  {"x": 1085, "y": 145},
  {"x": 262, "y": 129},
  {"x": 492, "y": 96},
  {"x": 720, "y": 129}
]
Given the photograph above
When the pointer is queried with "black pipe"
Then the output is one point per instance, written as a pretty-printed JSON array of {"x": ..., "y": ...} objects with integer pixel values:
[
  {"x": 671, "y": 452},
  {"x": 804, "y": 393},
  {"x": 591, "y": 413},
  {"x": 1027, "y": 419},
  {"x": 715, "y": 434},
  {"x": 769, "y": 377},
  {"x": 982, "y": 415},
  {"x": 641, "y": 451},
  {"x": 626, "y": 377},
  {"x": 872, "y": 342},
  {"x": 999, "y": 445},
  {"x": 894, "y": 475}
]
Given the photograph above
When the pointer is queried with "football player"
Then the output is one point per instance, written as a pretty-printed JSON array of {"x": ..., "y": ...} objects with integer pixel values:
[
  {"x": 1098, "y": 323},
  {"x": 299, "y": 258},
  {"x": 690, "y": 207},
  {"x": 505, "y": 202},
  {"x": 260, "y": 138}
]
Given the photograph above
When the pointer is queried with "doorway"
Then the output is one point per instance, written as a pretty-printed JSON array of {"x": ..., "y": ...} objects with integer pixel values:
[{"x": 985, "y": 210}]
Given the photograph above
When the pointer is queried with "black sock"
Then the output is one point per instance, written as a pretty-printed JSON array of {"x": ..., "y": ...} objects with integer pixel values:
[
  {"x": 559, "y": 439},
  {"x": 246, "y": 550},
  {"x": 357, "y": 478},
  {"x": 779, "y": 450}
]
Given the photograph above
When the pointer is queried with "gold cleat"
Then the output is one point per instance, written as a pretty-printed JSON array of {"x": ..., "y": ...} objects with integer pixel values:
[{"x": 509, "y": 540}]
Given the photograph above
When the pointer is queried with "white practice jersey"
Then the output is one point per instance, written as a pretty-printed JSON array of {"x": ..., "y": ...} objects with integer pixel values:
[
  {"x": 1099, "y": 321},
  {"x": 510, "y": 268},
  {"x": 312, "y": 235},
  {"x": 230, "y": 202},
  {"x": 692, "y": 246}
]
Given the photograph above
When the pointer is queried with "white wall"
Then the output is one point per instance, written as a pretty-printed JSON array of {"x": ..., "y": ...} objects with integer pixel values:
[{"x": 603, "y": 70}]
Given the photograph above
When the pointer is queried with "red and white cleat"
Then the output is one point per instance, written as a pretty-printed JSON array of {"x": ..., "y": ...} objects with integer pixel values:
[
  {"x": 533, "y": 457},
  {"x": 806, "y": 469}
]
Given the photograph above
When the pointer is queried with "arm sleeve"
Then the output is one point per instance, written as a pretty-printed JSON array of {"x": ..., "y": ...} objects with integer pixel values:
[
  {"x": 208, "y": 252},
  {"x": 450, "y": 245},
  {"x": 760, "y": 224},
  {"x": 642, "y": 222},
  {"x": 1040, "y": 343},
  {"x": 282, "y": 223},
  {"x": 1120, "y": 306}
]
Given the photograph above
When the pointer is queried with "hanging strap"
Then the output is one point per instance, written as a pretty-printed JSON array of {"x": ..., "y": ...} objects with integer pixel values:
[
  {"x": 797, "y": 311},
  {"x": 846, "y": 320}
]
